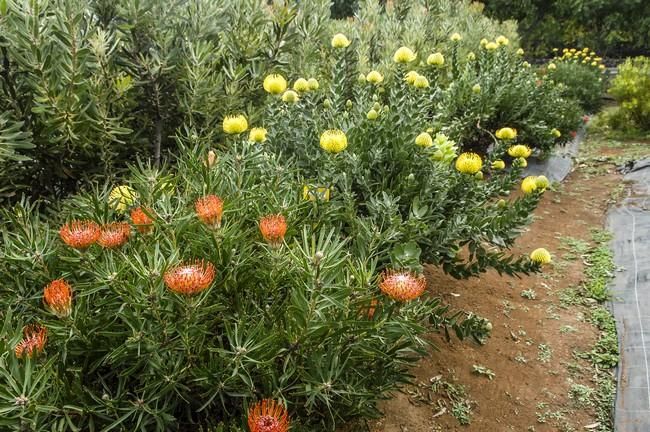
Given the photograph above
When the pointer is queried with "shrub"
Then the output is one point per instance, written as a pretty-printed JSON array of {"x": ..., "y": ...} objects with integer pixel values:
[
  {"x": 94, "y": 84},
  {"x": 510, "y": 93},
  {"x": 295, "y": 316},
  {"x": 631, "y": 89},
  {"x": 282, "y": 265},
  {"x": 580, "y": 74}
]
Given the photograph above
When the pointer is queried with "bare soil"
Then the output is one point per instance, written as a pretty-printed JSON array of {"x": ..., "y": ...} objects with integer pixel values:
[{"x": 531, "y": 350}]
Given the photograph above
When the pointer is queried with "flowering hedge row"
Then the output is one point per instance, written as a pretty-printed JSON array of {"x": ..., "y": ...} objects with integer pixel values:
[{"x": 271, "y": 279}]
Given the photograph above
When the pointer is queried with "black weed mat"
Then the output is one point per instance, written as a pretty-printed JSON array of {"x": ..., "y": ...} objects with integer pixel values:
[
  {"x": 559, "y": 163},
  {"x": 630, "y": 224}
]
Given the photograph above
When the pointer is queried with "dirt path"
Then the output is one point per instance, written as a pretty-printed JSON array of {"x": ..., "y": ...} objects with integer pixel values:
[{"x": 544, "y": 367}]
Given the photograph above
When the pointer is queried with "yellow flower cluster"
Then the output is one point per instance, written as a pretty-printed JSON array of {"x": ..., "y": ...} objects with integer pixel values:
[
  {"x": 275, "y": 84},
  {"x": 416, "y": 80},
  {"x": 469, "y": 163},
  {"x": 404, "y": 55},
  {"x": 234, "y": 124},
  {"x": 333, "y": 141},
  {"x": 424, "y": 140},
  {"x": 519, "y": 151},
  {"x": 584, "y": 56},
  {"x": 540, "y": 256},
  {"x": 374, "y": 77},
  {"x": 122, "y": 197},
  {"x": 506, "y": 133},
  {"x": 534, "y": 184},
  {"x": 257, "y": 134},
  {"x": 436, "y": 59},
  {"x": 340, "y": 41}
]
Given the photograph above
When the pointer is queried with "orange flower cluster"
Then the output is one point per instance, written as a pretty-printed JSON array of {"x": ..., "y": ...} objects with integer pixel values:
[
  {"x": 402, "y": 286},
  {"x": 141, "y": 219},
  {"x": 33, "y": 343},
  {"x": 209, "y": 210},
  {"x": 268, "y": 416},
  {"x": 190, "y": 278},
  {"x": 57, "y": 296},
  {"x": 114, "y": 235},
  {"x": 273, "y": 229},
  {"x": 80, "y": 234}
]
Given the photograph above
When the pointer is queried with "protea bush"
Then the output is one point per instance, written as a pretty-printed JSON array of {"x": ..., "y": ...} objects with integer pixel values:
[{"x": 271, "y": 279}]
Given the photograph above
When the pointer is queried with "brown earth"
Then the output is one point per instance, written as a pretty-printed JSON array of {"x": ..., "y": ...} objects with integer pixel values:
[{"x": 529, "y": 384}]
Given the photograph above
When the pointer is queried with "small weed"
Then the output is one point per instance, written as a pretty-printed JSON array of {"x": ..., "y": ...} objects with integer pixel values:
[
  {"x": 581, "y": 395},
  {"x": 456, "y": 395},
  {"x": 519, "y": 358},
  {"x": 565, "y": 329},
  {"x": 544, "y": 353},
  {"x": 529, "y": 294},
  {"x": 482, "y": 370}
]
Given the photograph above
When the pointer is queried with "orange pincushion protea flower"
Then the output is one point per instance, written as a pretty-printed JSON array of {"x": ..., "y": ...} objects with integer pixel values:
[
  {"x": 402, "y": 286},
  {"x": 190, "y": 278},
  {"x": 34, "y": 338},
  {"x": 210, "y": 210},
  {"x": 57, "y": 296},
  {"x": 80, "y": 234},
  {"x": 268, "y": 416},
  {"x": 273, "y": 229},
  {"x": 141, "y": 219},
  {"x": 114, "y": 234}
]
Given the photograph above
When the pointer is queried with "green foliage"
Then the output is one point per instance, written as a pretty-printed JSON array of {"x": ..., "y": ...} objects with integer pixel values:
[
  {"x": 631, "y": 89},
  {"x": 511, "y": 94},
  {"x": 292, "y": 322},
  {"x": 92, "y": 84},
  {"x": 615, "y": 27},
  {"x": 580, "y": 82}
]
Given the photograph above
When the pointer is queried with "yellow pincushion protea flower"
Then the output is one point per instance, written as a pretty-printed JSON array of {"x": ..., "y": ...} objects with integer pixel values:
[
  {"x": 498, "y": 164},
  {"x": 455, "y": 37},
  {"x": 436, "y": 59},
  {"x": 491, "y": 46},
  {"x": 424, "y": 140},
  {"x": 469, "y": 163},
  {"x": 403, "y": 55},
  {"x": 313, "y": 84},
  {"x": 290, "y": 96},
  {"x": 502, "y": 40},
  {"x": 411, "y": 76},
  {"x": 471, "y": 56},
  {"x": 301, "y": 85},
  {"x": 556, "y": 133},
  {"x": 541, "y": 256},
  {"x": 257, "y": 135},
  {"x": 122, "y": 197},
  {"x": 542, "y": 182},
  {"x": 275, "y": 84},
  {"x": 519, "y": 151},
  {"x": 484, "y": 42},
  {"x": 315, "y": 193},
  {"x": 235, "y": 124},
  {"x": 520, "y": 52},
  {"x": 374, "y": 77},
  {"x": 333, "y": 141},
  {"x": 372, "y": 114},
  {"x": 506, "y": 133},
  {"x": 529, "y": 184},
  {"x": 421, "y": 82},
  {"x": 339, "y": 40},
  {"x": 476, "y": 88},
  {"x": 551, "y": 66}
]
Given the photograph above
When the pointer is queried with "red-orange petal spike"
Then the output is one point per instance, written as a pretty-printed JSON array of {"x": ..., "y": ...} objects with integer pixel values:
[{"x": 268, "y": 416}]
